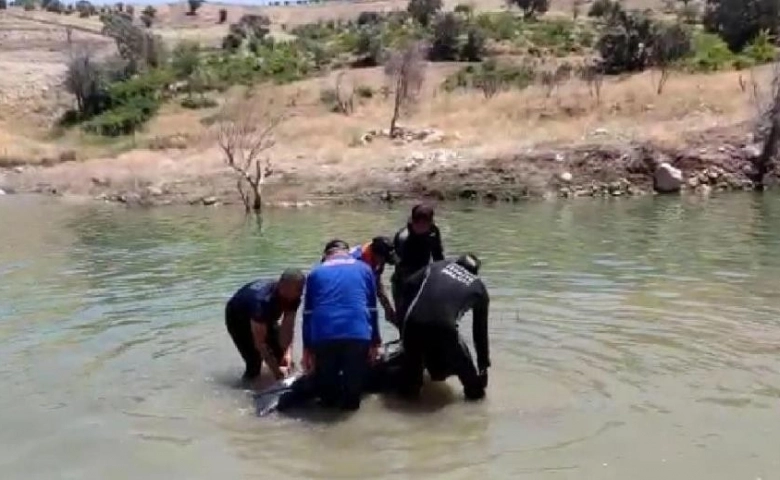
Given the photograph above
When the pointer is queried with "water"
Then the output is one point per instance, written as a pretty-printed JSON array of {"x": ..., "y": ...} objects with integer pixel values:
[{"x": 631, "y": 339}]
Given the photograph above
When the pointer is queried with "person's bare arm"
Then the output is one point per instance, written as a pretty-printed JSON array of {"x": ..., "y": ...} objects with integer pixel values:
[
  {"x": 287, "y": 331},
  {"x": 259, "y": 333},
  {"x": 387, "y": 306}
]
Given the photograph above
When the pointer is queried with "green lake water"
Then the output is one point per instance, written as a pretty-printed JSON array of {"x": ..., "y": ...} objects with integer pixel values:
[{"x": 631, "y": 339}]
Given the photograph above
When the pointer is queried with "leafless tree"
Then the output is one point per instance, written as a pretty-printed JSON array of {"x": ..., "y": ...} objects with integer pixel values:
[
  {"x": 767, "y": 127},
  {"x": 245, "y": 135},
  {"x": 593, "y": 75},
  {"x": 406, "y": 73}
]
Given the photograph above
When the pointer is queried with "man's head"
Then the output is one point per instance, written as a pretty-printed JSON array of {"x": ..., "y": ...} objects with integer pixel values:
[
  {"x": 422, "y": 218},
  {"x": 470, "y": 262},
  {"x": 291, "y": 285},
  {"x": 335, "y": 247},
  {"x": 383, "y": 248}
]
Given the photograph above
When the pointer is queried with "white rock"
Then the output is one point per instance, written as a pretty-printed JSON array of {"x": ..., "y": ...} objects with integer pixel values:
[
  {"x": 565, "y": 177},
  {"x": 559, "y": 157},
  {"x": 668, "y": 179},
  {"x": 752, "y": 151},
  {"x": 2, "y": 192}
]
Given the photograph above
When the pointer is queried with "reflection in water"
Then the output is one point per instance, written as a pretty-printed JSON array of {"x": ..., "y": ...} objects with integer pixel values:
[{"x": 630, "y": 339}]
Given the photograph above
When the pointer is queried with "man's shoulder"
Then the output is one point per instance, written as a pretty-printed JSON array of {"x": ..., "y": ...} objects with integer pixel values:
[{"x": 402, "y": 234}]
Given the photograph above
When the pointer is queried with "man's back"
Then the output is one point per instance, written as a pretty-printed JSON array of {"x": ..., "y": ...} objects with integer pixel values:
[
  {"x": 340, "y": 297},
  {"x": 415, "y": 251},
  {"x": 442, "y": 293}
]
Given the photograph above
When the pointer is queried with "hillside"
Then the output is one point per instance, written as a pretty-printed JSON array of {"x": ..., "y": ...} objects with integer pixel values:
[{"x": 489, "y": 145}]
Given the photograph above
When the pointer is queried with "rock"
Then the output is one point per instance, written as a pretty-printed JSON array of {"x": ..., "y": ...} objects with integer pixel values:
[
  {"x": 209, "y": 201},
  {"x": 703, "y": 190},
  {"x": 566, "y": 177},
  {"x": 667, "y": 179},
  {"x": 600, "y": 132},
  {"x": 2, "y": 192},
  {"x": 713, "y": 174},
  {"x": 751, "y": 151},
  {"x": 155, "y": 191},
  {"x": 559, "y": 157},
  {"x": 19, "y": 169},
  {"x": 693, "y": 182},
  {"x": 434, "y": 137},
  {"x": 101, "y": 182}
]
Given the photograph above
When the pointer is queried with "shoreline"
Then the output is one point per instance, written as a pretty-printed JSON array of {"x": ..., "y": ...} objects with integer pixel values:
[{"x": 714, "y": 161}]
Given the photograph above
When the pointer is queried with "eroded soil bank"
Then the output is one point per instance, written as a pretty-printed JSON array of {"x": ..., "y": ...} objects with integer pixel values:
[{"x": 713, "y": 161}]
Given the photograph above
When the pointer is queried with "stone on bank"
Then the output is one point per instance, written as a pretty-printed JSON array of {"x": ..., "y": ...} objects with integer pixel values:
[{"x": 667, "y": 179}]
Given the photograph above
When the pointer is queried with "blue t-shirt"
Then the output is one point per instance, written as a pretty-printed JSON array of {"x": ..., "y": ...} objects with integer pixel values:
[
  {"x": 259, "y": 301},
  {"x": 340, "y": 302}
]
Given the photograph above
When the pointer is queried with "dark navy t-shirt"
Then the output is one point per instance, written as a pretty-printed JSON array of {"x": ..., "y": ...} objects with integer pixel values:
[{"x": 259, "y": 301}]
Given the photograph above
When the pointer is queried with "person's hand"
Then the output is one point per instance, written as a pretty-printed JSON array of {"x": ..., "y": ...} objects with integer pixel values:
[
  {"x": 373, "y": 354},
  {"x": 286, "y": 360},
  {"x": 307, "y": 361},
  {"x": 281, "y": 374}
]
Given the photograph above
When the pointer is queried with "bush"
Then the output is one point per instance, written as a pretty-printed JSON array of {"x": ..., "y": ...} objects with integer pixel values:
[
  {"x": 531, "y": 8},
  {"x": 710, "y": 54},
  {"x": 446, "y": 36},
  {"x": 463, "y": 9},
  {"x": 761, "y": 49},
  {"x": 198, "y": 102},
  {"x": 222, "y": 15},
  {"x": 3, "y": 5},
  {"x": 473, "y": 49},
  {"x": 491, "y": 77},
  {"x": 194, "y": 6},
  {"x": 423, "y": 11},
  {"x": 369, "y": 18},
  {"x": 740, "y": 21},
  {"x": 622, "y": 46},
  {"x": 122, "y": 120},
  {"x": 604, "y": 8},
  {"x": 499, "y": 26}
]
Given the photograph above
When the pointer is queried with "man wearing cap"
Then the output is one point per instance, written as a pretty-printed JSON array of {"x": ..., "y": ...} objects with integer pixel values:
[
  {"x": 440, "y": 295},
  {"x": 376, "y": 254},
  {"x": 416, "y": 244},
  {"x": 340, "y": 329},
  {"x": 252, "y": 320}
]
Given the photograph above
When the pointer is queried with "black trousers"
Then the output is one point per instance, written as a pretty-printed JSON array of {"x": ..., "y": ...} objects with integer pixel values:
[
  {"x": 340, "y": 369},
  {"x": 239, "y": 326},
  {"x": 442, "y": 351}
]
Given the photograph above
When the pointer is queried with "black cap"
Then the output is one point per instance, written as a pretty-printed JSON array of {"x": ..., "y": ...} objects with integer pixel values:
[
  {"x": 335, "y": 244},
  {"x": 470, "y": 262},
  {"x": 383, "y": 247}
]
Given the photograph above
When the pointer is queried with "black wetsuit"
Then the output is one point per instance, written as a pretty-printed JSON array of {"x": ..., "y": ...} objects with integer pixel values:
[
  {"x": 415, "y": 252},
  {"x": 438, "y": 297},
  {"x": 255, "y": 302}
]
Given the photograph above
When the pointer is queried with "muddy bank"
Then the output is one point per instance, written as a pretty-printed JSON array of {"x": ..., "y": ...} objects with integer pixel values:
[{"x": 719, "y": 161}]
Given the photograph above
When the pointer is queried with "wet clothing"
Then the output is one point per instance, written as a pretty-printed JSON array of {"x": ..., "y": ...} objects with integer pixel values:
[
  {"x": 339, "y": 372},
  {"x": 256, "y": 301},
  {"x": 340, "y": 303},
  {"x": 438, "y": 297},
  {"x": 339, "y": 327},
  {"x": 414, "y": 252}
]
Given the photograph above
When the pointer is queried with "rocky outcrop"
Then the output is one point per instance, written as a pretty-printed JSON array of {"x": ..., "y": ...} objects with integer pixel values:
[
  {"x": 667, "y": 179},
  {"x": 405, "y": 135}
]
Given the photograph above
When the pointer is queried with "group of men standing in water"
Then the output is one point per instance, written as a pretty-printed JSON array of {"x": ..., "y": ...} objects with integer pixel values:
[{"x": 340, "y": 330}]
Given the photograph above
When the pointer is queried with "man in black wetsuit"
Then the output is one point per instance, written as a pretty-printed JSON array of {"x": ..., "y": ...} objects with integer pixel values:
[
  {"x": 439, "y": 296},
  {"x": 416, "y": 245}
]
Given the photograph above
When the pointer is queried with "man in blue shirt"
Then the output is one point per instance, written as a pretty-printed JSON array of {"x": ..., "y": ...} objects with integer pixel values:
[
  {"x": 340, "y": 329},
  {"x": 252, "y": 319}
]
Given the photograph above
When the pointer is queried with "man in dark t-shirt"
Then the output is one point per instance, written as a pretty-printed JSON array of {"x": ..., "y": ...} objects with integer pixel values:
[{"x": 252, "y": 317}]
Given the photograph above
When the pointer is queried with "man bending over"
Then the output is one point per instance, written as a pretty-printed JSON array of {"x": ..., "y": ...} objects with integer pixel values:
[
  {"x": 438, "y": 296},
  {"x": 252, "y": 319}
]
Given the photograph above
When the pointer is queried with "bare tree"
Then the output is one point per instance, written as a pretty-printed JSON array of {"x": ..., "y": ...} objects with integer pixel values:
[
  {"x": 767, "y": 129},
  {"x": 593, "y": 75},
  {"x": 406, "y": 73},
  {"x": 245, "y": 135}
]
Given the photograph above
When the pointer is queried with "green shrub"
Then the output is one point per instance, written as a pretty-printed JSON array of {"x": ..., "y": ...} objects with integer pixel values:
[
  {"x": 761, "y": 49},
  {"x": 122, "y": 120},
  {"x": 604, "y": 8},
  {"x": 491, "y": 77},
  {"x": 710, "y": 54},
  {"x": 500, "y": 26}
]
